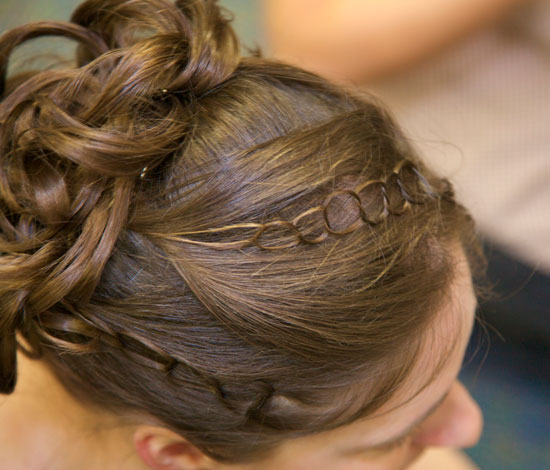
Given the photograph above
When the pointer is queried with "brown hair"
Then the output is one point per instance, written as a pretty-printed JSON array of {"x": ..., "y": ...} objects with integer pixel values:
[{"x": 223, "y": 243}]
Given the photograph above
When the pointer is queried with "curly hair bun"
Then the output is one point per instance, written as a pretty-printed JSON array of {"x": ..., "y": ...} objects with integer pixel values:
[
  {"x": 73, "y": 142},
  {"x": 192, "y": 48}
]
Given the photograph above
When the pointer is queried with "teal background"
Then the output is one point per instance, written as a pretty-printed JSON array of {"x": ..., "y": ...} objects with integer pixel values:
[
  {"x": 510, "y": 381},
  {"x": 15, "y": 12}
]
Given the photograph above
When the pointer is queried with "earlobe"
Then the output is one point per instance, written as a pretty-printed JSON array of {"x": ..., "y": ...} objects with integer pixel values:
[{"x": 162, "y": 449}]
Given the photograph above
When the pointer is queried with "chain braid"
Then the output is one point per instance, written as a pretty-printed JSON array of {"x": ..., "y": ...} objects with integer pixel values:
[
  {"x": 397, "y": 193},
  {"x": 71, "y": 331}
]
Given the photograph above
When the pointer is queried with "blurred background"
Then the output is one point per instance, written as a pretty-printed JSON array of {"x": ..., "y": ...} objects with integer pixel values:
[{"x": 469, "y": 81}]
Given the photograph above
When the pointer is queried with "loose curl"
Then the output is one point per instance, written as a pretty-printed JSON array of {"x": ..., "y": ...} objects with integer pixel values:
[{"x": 222, "y": 243}]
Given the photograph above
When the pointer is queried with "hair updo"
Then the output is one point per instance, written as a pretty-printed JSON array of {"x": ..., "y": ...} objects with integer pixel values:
[{"x": 225, "y": 244}]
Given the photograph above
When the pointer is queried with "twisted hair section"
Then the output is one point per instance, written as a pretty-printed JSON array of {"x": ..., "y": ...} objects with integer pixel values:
[
  {"x": 374, "y": 201},
  {"x": 232, "y": 246}
]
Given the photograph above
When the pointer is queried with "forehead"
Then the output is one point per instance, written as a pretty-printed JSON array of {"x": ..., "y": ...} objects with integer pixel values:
[{"x": 444, "y": 346}]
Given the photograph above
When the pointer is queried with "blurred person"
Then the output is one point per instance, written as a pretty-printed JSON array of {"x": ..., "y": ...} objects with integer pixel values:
[
  {"x": 470, "y": 82},
  {"x": 217, "y": 262},
  {"x": 357, "y": 41}
]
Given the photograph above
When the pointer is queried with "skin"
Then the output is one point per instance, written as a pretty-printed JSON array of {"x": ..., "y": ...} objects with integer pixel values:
[
  {"x": 41, "y": 422},
  {"x": 359, "y": 40}
]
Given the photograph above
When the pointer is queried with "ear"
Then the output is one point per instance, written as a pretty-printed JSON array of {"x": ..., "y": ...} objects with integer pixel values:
[{"x": 162, "y": 449}]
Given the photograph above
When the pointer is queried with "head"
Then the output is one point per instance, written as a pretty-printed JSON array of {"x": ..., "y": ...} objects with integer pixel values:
[{"x": 248, "y": 260}]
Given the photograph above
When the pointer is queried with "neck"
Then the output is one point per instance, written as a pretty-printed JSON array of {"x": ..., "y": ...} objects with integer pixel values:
[{"x": 63, "y": 433}]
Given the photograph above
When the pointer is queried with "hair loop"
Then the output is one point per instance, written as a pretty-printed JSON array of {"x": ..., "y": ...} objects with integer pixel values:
[
  {"x": 331, "y": 197},
  {"x": 376, "y": 200},
  {"x": 415, "y": 189},
  {"x": 396, "y": 203},
  {"x": 275, "y": 223},
  {"x": 264, "y": 394},
  {"x": 67, "y": 333},
  {"x": 305, "y": 231},
  {"x": 93, "y": 43}
]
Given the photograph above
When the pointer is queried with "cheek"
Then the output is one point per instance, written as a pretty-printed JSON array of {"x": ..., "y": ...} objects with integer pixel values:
[
  {"x": 394, "y": 460},
  {"x": 457, "y": 423}
]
